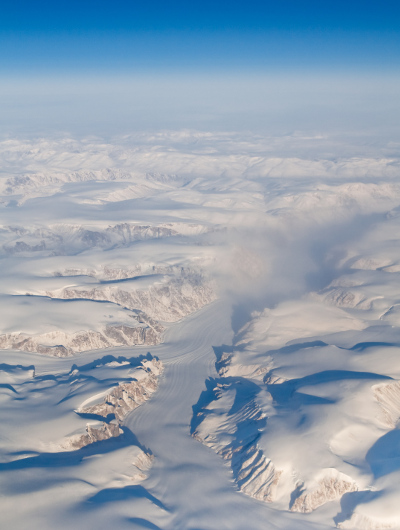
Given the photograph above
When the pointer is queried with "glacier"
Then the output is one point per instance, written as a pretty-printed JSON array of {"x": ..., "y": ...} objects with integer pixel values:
[{"x": 199, "y": 331}]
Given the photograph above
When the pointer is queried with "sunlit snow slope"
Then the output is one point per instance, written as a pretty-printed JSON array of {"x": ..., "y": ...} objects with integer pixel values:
[{"x": 199, "y": 331}]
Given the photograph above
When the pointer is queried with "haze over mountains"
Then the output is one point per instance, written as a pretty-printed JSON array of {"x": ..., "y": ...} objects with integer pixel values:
[{"x": 198, "y": 331}]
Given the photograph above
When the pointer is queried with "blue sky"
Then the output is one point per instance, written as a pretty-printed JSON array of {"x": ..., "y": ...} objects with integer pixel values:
[
  {"x": 98, "y": 15},
  {"x": 96, "y": 67},
  {"x": 155, "y": 35}
]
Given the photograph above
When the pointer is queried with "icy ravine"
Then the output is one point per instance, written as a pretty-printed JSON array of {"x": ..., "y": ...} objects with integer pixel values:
[
  {"x": 187, "y": 485},
  {"x": 186, "y": 476}
]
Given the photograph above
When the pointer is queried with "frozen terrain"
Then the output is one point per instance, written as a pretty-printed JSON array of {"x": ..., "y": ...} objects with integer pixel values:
[{"x": 199, "y": 331}]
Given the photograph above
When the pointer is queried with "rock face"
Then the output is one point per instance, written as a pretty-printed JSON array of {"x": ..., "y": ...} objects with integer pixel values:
[
  {"x": 168, "y": 301},
  {"x": 142, "y": 464},
  {"x": 388, "y": 396},
  {"x": 65, "y": 239},
  {"x": 329, "y": 488},
  {"x": 256, "y": 475},
  {"x": 234, "y": 437},
  {"x": 68, "y": 239},
  {"x": 120, "y": 401},
  {"x": 342, "y": 297},
  {"x": 112, "y": 273},
  {"x": 60, "y": 344},
  {"x": 169, "y": 293},
  {"x": 127, "y": 396},
  {"x": 93, "y": 434},
  {"x": 273, "y": 418},
  {"x": 45, "y": 183}
]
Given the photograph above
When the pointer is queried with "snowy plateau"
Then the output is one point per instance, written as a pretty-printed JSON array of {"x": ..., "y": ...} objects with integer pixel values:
[{"x": 199, "y": 331}]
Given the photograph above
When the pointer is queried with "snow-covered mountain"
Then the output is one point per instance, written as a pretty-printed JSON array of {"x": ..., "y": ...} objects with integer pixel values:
[{"x": 199, "y": 330}]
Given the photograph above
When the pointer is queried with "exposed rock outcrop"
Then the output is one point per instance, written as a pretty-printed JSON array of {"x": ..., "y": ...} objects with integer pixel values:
[
  {"x": 256, "y": 475},
  {"x": 388, "y": 397},
  {"x": 71, "y": 238},
  {"x": 142, "y": 464},
  {"x": 330, "y": 487},
  {"x": 127, "y": 396},
  {"x": 120, "y": 401},
  {"x": 61, "y": 344},
  {"x": 234, "y": 438},
  {"x": 94, "y": 433},
  {"x": 168, "y": 301}
]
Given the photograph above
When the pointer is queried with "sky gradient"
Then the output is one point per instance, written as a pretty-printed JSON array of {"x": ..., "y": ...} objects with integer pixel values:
[
  {"x": 102, "y": 66},
  {"x": 157, "y": 35}
]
